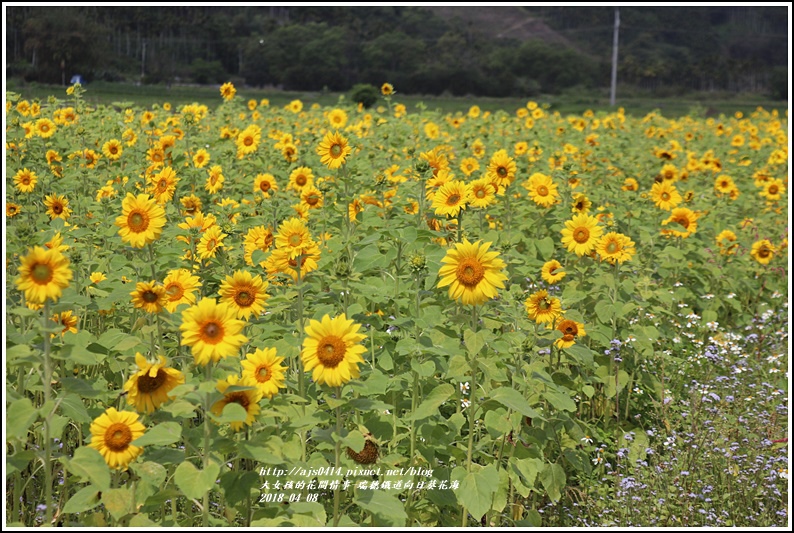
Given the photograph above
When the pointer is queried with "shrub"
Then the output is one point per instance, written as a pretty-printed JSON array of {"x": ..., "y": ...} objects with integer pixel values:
[{"x": 365, "y": 93}]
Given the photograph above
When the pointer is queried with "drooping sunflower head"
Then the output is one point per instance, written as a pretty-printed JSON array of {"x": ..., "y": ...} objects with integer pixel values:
[
  {"x": 148, "y": 388},
  {"x": 763, "y": 251},
  {"x": 264, "y": 368},
  {"x": 472, "y": 273},
  {"x": 112, "y": 434},
  {"x": 570, "y": 329},
  {"x": 248, "y": 399},
  {"x": 212, "y": 331},
  {"x": 552, "y": 272},
  {"x": 332, "y": 350},
  {"x": 43, "y": 275}
]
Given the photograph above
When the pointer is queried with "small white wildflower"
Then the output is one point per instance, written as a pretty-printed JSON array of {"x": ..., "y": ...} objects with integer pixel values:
[
  {"x": 731, "y": 295},
  {"x": 587, "y": 439},
  {"x": 637, "y": 390},
  {"x": 713, "y": 325},
  {"x": 708, "y": 296},
  {"x": 464, "y": 387},
  {"x": 464, "y": 403},
  {"x": 678, "y": 284}
]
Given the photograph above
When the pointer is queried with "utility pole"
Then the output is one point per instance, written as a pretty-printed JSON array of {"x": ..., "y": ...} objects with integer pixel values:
[{"x": 614, "y": 84}]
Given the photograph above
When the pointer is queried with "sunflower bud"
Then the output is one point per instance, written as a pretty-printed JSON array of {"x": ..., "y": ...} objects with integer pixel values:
[
  {"x": 343, "y": 267},
  {"x": 417, "y": 263}
]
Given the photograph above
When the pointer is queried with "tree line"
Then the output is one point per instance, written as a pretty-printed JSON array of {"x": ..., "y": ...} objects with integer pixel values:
[{"x": 334, "y": 48}]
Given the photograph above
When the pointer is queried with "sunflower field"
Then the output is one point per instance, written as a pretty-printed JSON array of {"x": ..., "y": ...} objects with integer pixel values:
[{"x": 263, "y": 316}]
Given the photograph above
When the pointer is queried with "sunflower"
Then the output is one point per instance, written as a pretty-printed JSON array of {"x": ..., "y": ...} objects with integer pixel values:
[
  {"x": 333, "y": 150},
  {"x": 214, "y": 180},
  {"x": 451, "y": 198},
  {"x": 726, "y": 240},
  {"x": 763, "y": 251},
  {"x": 43, "y": 274},
  {"x": 570, "y": 329},
  {"x": 665, "y": 195},
  {"x": 669, "y": 173},
  {"x": 57, "y": 206},
  {"x": 228, "y": 91},
  {"x": 615, "y": 247},
  {"x": 201, "y": 158},
  {"x": 551, "y": 272},
  {"x": 293, "y": 236},
  {"x": 112, "y": 149},
  {"x": 149, "y": 296},
  {"x": 483, "y": 193},
  {"x": 212, "y": 331},
  {"x": 163, "y": 185},
  {"x": 300, "y": 178},
  {"x": 196, "y": 225},
  {"x": 248, "y": 140},
  {"x": 332, "y": 350},
  {"x": 436, "y": 159},
  {"x": 111, "y": 435},
  {"x": 387, "y": 89},
  {"x": 337, "y": 118},
  {"x": 724, "y": 184},
  {"x": 257, "y": 238},
  {"x": 581, "y": 204},
  {"x": 472, "y": 272},
  {"x": 266, "y": 184},
  {"x": 684, "y": 217},
  {"x": 264, "y": 368},
  {"x": 179, "y": 286},
  {"x": 245, "y": 293},
  {"x": 431, "y": 130},
  {"x": 141, "y": 221},
  {"x": 67, "y": 320},
  {"x": 25, "y": 180},
  {"x": 296, "y": 106},
  {"x": 45, "y": 128},
  {"x": 56, "y": 243},
  {"x": 543, "y": 309},
  {"x": 190, "y": 204},
  {"x": 501, "y": 169},
  {"x": 581, "y": 234},
  {"x": 148, "y": 388},
  {"x": 542, "y": 190},
  {"x": 211, "y": 240},
  {"x": 773, "y": 189},
  {"x": 311, "y": 198},
  {"x": 280, "y": 261},
  {"x": 469, "y": 166},
  {"x": 247, "y": 398},
  {"x": 12, "y": 209}
]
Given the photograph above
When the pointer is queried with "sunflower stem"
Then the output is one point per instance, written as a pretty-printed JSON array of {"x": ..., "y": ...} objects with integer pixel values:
[
  {"x": 205, "y": 510},
  {"x": 471, "y": 408},
  {"x": 47, "y": 419},
  {"x": 460, "y": 226},
  {"x": 301, "y": 377},
  {"x": 338, "y": 454}
]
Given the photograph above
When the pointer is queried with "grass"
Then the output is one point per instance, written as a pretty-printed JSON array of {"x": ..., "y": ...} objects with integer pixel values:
[{"x": 575, "y": 102}]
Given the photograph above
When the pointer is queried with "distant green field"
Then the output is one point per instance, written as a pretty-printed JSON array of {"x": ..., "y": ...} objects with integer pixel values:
[{"x": 147, "y": 95}]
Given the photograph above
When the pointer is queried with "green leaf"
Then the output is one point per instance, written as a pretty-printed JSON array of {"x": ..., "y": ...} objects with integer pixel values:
[
  {"x": 119, "y": 502},
  {"x": 160, "y": 435},
  {"x": 257, "y": 453},
  {"x": 526, "y": 470},
  {"x": 232, "y": 412},
  {"x": 237, "y": 486},
  {"x": 583, "y": 354},
  {"x": 141, "y": 520},
  {"x": 552, "y": 476},
  {"x": 605, "y": 311},
  {"x": 90, "y": 465},
  {"x": 513, "y": 399},
  {"x": 80, "y": 387},
  {"x": 383, "y": 505},
  {"x": 432, "y": 402},
  {"x": 150, "y": 472},
  {"x": 546, "y": 248},
  {"x": 83, "y": 500},
  {"x": 476, "y": 489},
  {"x": 458, "y": 367},
  {"x": 474, "y": 341},
  {"x": 560, "y": 401},
  {"x": 21, "y": 414},
  {"x": 354, "y": 440},
  {"x": 194, "y": 482}
]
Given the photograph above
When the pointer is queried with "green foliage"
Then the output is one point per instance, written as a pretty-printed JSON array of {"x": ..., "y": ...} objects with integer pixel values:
[{"x": 364, "y": 94}]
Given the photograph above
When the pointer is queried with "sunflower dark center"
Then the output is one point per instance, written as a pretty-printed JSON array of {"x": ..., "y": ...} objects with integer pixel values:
[
  {"x": 501, "y": 171},
  {"x": 480, "y": 193},
  {"x": 544, "y": 191},
  {"x": 470, "y": 272},
  {"x": 336, "y": 150},
  {"x": 262, "y": 374},
  {"x": 149, "y": 297},
  {"x": 453, "y": 199},
  {"x": 772, "y": 189},
  {"x": 612, "y": 247},
  {"x": 240, "y": 398},
  {"x": 57, "y": 209},
  {"x": 331, "y": 351},
  {"x": 118, "y": 437},
  {"x": 264, "y": 186},
  {"x": 244, "y": 298},
  {"x": 212, "y": 332},
  {"x": 148, "y": 384},
  {"x": 581, "y": 235},
  {"x": 137, "y": 221},
  {"x": 41, "y": 273}
]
